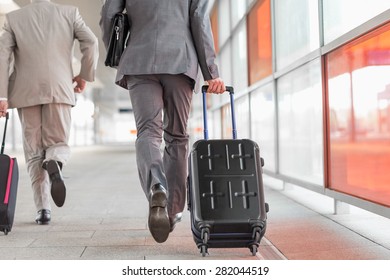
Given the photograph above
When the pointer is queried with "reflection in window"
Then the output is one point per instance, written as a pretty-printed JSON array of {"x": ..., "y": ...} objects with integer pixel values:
[
  {"x": 301, "y": 123},
  {"x": 359, "y": 117},
  {"x": 214, "y": 26},
  {"x": 263, "y": 124},
  {"x": 259, "y": 40}
]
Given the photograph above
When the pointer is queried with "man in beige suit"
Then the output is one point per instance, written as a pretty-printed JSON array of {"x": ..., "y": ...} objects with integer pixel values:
[{"x": 41, "y": 37}]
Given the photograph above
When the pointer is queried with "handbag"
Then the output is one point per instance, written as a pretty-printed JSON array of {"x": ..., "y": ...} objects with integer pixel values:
[{"x": 120, "y": 33}]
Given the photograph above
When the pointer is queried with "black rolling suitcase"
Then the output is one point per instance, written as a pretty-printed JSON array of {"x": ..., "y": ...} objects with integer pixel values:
[
  {"x": 225, "y": 191},
  {"x": 9, "y": 177}
]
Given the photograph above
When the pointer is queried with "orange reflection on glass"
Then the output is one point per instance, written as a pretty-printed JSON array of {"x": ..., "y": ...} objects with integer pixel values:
[
  {"x": 214, "y": 26},
  {"x": 359, "y": 117},
  {"x": 259, "y": 41}
]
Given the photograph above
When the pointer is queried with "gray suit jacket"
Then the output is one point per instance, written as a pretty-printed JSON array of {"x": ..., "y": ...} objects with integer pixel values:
[
  {"x": 167, "y": 37},
  {"x": 41, "y": 36}
]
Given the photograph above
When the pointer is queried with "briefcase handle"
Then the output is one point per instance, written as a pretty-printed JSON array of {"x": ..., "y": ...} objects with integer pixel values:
[
  {"x": 5, "y": 131},
  {"x": 229, "y": 89}
]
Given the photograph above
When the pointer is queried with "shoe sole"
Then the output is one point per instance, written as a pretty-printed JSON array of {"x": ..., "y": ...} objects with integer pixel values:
[
  {"x": 58, "y": 190},
  {"x": 42, "y": 223},
  {"x": 159, "y": 225}
]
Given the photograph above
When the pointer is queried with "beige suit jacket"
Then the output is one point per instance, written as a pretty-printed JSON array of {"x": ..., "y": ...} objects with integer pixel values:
[{"x": 41, "y": 36}]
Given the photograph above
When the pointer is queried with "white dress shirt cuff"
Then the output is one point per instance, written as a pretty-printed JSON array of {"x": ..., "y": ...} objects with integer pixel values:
[{"x": 3, "y": 99}]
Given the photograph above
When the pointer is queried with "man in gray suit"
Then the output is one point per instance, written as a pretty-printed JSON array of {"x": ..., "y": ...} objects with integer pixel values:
[
  {"x": 41, "y": 37},
  {"x": 169, "y": 40}
]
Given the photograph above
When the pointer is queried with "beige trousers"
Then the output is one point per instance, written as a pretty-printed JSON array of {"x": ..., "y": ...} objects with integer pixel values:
[{"x": 46, "y": 131}]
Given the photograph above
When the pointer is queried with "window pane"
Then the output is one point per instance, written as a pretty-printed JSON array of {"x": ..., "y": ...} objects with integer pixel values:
[
  {"x": 225, "y": 65},
  {"x": 359, "y": 117},
  {"x": 195, "y": 129},
  {"x": 214, "y": 26},
  {"x": 259, "y": 40},
  {"x": 224, "y": 21},
  {"x": 301, "y": 124},
  {"x": 242, "y": 118},
  {"x": 240, "y": 61},
  {"x": 227, "y": 123},
  {"x": 342, "y": 16},
  {"x": 250, "y": 2},
  {"x": 297, "y": 33},
  {"x": 238, "y": 11},
  {"x": 215, "y": 131},
  {"x": 263, "y": 124}
]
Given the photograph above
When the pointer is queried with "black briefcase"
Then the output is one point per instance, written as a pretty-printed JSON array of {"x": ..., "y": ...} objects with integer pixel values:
[{"x": 118, "y": 39}]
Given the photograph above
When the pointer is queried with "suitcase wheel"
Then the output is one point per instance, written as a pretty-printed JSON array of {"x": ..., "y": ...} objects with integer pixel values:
[
  {"x": 5, "y": 231},
  {"x": 205, "y": 236},
  {"x": 256, "y": 235},
  {"x": 203, "y": 250},
  {"x": 253, "y": 249}
]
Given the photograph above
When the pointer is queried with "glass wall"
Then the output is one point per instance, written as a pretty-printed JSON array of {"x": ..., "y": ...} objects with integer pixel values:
[
  {"x": 215, "y": 130},
  {"x": 238, "y": 11},
  {"x": 359, "y": 114},
  {"x": 263, "y": 123},
  {"x": 297, "y": 32},
  {"x": 240, "y": 59},
  {"x": 214, "y": 26},
  {"x": 241, "y": 116},
  {"x": 300, "y": 123},
  {"x": 316, "y": 102},
  {"x": 223, "y": 21},
  {"x": 259, "y": 41},
  {"x": 342, "y": 16}
]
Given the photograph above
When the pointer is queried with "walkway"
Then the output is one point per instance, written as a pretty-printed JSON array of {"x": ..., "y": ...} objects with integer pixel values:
[{"x": 105, "y": 218}]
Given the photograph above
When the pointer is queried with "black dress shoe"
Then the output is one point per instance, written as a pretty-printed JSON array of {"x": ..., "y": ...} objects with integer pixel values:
[
  {"x": 58, "y": 190},
  {"x": 43, "y": 217},
  {"x": 158, "y": 222},
  {"x": 176, "y": 219}
]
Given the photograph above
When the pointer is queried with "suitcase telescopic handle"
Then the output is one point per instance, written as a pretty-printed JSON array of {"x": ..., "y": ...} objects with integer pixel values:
[
  {"x": 205, "y": 125},
  {"x": 5, "y": 131},
  {"x": 229, "y": 89}
]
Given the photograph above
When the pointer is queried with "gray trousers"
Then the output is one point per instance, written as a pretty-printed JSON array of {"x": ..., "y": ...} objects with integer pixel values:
[
  {"x": 46, "y": 131},
  {"x": 161, "y": 105}
]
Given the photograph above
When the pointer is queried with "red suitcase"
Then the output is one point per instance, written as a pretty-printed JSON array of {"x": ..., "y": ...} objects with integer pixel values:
[{"x": 9, "y": 177}]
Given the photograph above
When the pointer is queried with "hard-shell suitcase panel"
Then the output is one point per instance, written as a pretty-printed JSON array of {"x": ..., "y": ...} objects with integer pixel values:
[
  {"x": 225, "y": 191},
  {"x": 227, "y": 174}
]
